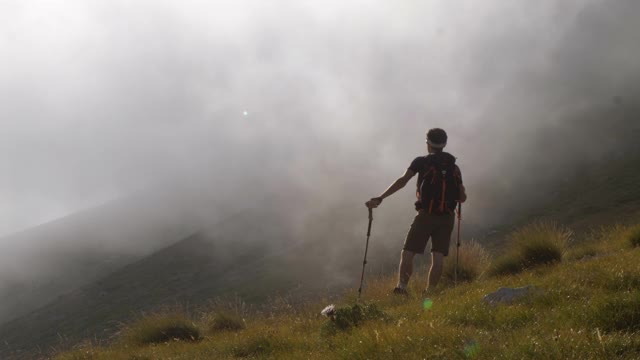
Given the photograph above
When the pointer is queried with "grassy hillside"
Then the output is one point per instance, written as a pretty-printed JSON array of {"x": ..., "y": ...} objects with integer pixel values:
[
  {"x": 598, "y": 265},
  {"x": 585, "y": 307}
]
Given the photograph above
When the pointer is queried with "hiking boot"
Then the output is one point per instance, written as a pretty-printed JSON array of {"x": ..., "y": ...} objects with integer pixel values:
[{"x": 400, "y": 291}]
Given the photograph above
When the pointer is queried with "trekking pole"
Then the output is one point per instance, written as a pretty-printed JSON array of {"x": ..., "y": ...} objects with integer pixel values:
[
  {"x": 455, "y": 276},
  {"x": 366, "y": 249}
]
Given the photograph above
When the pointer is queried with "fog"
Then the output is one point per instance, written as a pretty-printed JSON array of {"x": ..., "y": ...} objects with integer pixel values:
[{"x": 236, "y": 101}]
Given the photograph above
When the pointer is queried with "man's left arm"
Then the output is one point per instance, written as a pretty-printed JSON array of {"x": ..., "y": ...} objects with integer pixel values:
[{"x": 397, "y": 185}]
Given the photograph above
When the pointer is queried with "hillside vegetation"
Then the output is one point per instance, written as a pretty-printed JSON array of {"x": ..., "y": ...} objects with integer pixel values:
[{"x": 587, "y": 307}]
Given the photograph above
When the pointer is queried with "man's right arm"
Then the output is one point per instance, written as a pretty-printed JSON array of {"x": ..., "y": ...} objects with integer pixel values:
[{"x": 397, "y": 185}]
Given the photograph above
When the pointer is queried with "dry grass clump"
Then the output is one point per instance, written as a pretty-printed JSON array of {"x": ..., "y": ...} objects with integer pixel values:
[
  {"x": 473, "y": 261},
  {"x": 634, "y": 236},
  {"x": 534, "y": 244},
  {"x": 161, "y": 328},
  {"x": 226, "y": 322}
]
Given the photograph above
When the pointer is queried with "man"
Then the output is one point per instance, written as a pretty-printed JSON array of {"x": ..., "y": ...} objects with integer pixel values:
[{"x": 436, "y": 208}]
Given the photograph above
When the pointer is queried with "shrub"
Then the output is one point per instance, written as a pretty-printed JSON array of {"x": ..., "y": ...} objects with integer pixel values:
[
  {"x": 161, "y": 328},
  {"x": 347, "y": 317},
  {"x": 225, "y": 322},
  {"x": 534, "y": 244},
  {"x": 473, "y": 261}
]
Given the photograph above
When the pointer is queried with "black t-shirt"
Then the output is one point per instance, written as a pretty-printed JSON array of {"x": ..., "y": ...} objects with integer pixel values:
[{"x": 419, "y": 166}]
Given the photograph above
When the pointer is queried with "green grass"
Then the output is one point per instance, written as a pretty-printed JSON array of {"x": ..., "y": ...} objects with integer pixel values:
[
  {"x": 589, "y": 308},
  {"x": 254, "y": 347},
  {"x": 620, "y": 312}
]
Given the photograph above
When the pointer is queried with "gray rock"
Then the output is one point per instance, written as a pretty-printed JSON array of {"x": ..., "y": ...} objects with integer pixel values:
[{"x": 509, "y": 295}]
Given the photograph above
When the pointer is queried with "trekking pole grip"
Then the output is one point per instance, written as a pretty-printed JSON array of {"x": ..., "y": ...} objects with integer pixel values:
[{"x": 370, "y": 214}]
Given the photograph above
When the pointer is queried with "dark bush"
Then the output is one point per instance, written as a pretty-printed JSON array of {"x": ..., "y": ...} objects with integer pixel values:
[{"x": 347, "y": 317}]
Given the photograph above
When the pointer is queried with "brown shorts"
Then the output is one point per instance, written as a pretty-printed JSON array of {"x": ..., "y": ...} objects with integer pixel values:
[{"x": 425, "y": 226}]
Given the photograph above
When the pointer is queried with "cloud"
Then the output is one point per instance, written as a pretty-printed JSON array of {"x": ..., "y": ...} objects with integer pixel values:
[{"x": 101, "y": 99}]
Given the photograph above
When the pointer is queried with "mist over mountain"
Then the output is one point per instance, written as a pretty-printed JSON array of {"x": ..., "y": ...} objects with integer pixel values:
[{"x": 51, "y": 259}]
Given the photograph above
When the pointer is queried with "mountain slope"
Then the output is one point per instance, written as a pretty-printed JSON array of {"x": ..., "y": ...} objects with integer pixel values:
[
  {"x": 41, "y": 263},
  {"x": 192, "y": 272},
  {"x": 606, "y": 193}
]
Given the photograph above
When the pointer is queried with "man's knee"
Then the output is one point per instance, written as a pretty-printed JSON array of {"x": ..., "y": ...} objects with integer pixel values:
[
  {"x": 437, "y": 259},
  {"x": 407, "y": 256}
]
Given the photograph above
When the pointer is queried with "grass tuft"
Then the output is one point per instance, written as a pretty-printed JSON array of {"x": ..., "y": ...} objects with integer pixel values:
[
  {"x": 161, "y": 328},
  {"x": 506, "y": 265},
  {"x": 472, "y": 263},
  {"x": 634, "y": 236},
  {"x": 226, "y": 322},
  {"x": 532, "y": 245}
]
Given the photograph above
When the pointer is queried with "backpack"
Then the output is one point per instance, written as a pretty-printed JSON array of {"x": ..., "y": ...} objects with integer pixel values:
[{"x": 438, "y": 185}]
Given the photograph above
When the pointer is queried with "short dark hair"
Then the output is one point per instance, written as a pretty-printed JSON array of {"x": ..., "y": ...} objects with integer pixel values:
[{"x": 437, "y": 136}]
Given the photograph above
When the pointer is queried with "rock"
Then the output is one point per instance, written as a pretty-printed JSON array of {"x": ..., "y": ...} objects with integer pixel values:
[
  {"x": 509, "y": 295},
  {"x": 329, "y": 311}
]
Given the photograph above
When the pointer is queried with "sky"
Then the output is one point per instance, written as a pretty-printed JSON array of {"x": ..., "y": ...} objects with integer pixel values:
[{"x": 100, "y": 100}]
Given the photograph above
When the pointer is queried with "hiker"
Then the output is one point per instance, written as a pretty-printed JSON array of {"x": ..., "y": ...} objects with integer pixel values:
[{"x": 439, "y": 189}]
